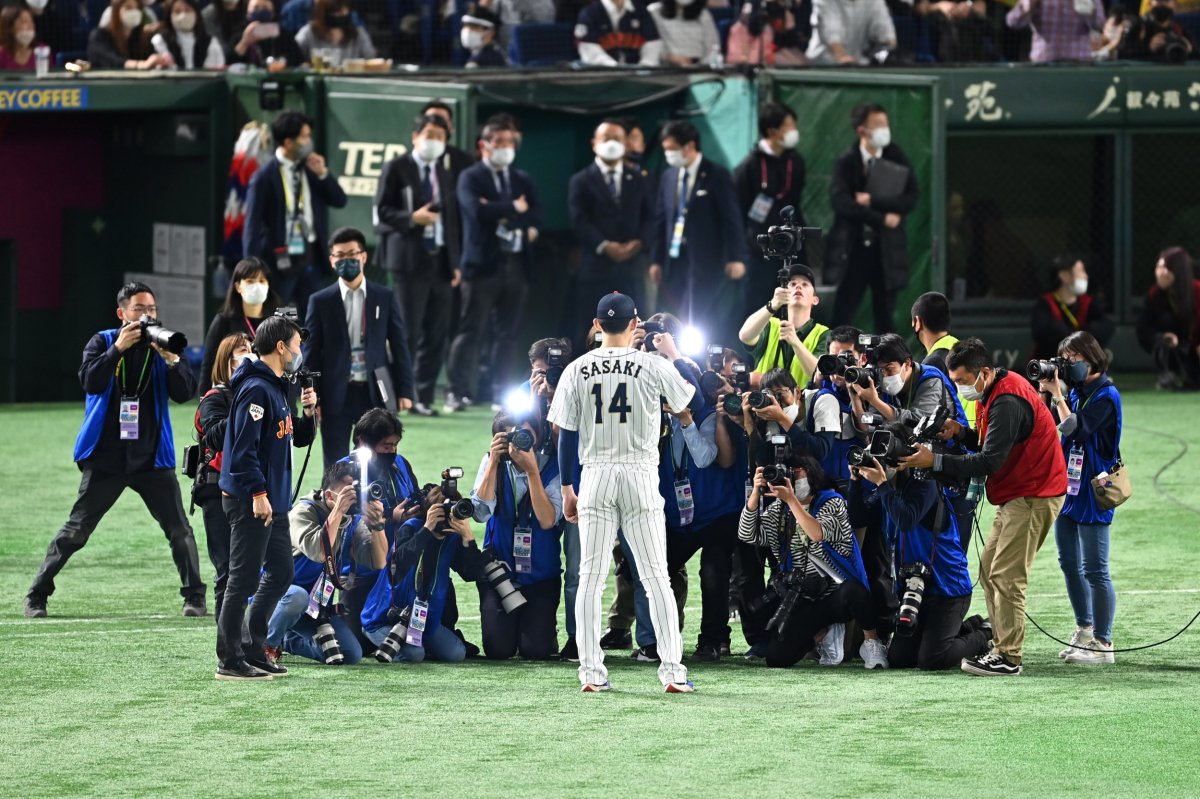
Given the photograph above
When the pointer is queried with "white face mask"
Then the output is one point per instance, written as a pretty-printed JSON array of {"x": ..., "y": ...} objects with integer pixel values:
[
  {"x": 675, "y": 159},
  {"x": 881, "y": 137},
  {"x": 1080, "y": 286},
  {"x": 503, "y": 156},
  {"x": 970, "y": 393},
  {"x": 791, "y": 139},
  {"x": 610, "y": 150},
  {"x": 25, "y": 38},
  {"x": 230, "y": 4},
  {"x": 471, "y": 40},
  {"x": 238, "y": 360},
  {"x": 892, "y": 384},
  {"x": 254, "y": 293},
  {"x": 792, "y": 411},
  {"x": 684, "y": 3},
  {"x": 131, "y": 18},
  {"x": 430, "y": 150},
  {"x": 184, "y": 22},
  {"x": 801, "y": 488},
  {"x": 37, "y": 5}
]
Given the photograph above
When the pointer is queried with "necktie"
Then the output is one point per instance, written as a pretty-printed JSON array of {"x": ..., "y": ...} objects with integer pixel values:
[
  {"x": 426, "y": 185},
  {"x": 504, "y": 191},
  {"x": 870, "y": 165},
  {"x": 354, "y": 319},
  {"x": 611, "y": 179},
  {"x": 683, "y": 192}
]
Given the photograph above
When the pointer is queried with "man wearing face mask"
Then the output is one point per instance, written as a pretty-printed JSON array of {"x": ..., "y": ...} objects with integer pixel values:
[
  {"x": 768, "y": 180},
  {"x": 867, "y": 243},
  {"x": 357, "y": 341},
  {"x": 501, "y": 215},
  {"x": 1067, "y": 308},
  {"x": 783, "y": 414},
  {"x": 420, "y": 242},
  {"x": 480, "y": 27},
  {"x": 612, "y": 214},
  {"x": 1021, "y": 459},
  {"x": 261, "y": 39},
  {"x": 126, "y": 442},
  {"x": 286, "y": 209},
  {"x": 256, "y": 481}
]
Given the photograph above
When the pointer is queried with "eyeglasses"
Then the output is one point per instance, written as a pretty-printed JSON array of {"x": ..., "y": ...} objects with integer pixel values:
[
  {"x": 354, "y": 254},
  {"x": 145, "y": 309}
]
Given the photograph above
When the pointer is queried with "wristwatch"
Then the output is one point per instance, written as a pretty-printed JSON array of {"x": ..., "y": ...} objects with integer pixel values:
[{"x": 770, "y": 309}]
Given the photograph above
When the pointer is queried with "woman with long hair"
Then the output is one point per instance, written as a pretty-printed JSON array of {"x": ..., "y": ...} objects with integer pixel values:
[
  {"x": 1169, "y": 327},
  {"x": 248, "y": 301}
]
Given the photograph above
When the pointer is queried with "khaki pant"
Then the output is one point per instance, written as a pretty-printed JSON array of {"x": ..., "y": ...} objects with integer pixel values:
[{"x": 1020, "y": 527}]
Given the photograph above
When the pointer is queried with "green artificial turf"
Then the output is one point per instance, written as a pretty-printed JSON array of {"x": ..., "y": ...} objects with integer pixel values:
[{"x": 114, "y": 694}]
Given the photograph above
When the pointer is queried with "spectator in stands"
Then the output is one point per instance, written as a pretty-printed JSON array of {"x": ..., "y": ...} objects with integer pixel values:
[
  {"x": 1116, "y": 26},
  {"x": 18, "y": 34},
  {"x": 187, "y": 42},
  {"x": 124, "y": 43},
  {"x": 845, "y": 31},
  {"x": 262, "y": 43},
  {"x": 286, "y": 209},
  {"x": 1062, "y": 29},
  {"x": 333, "y": 31},
  {"x": 1157, "y": 36},
  {"x": 225, "y": 20},
  {"x": 613, "y": 32},
  {"x": 518, "y": 12},
  {"x": 1067, "y": 308},
  {"x": 771, "y": 32},
  {"x": 960, "y": 29},
  {"x": 868, "y": 245},
  {"x": 1169, "y": 326},
  {"x": 479, "y": 30},
  {"x": 55, "y": 21},
  {"x": 688, "y": 33},
  {"x": 248, "y": 301},
  {"x": 768, "y": 180}
]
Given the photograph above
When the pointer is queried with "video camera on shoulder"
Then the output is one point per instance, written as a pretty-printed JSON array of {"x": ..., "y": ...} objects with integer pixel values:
[
  {"x": 456, "y": 506},
  {"x": 1037, "y": 370}
]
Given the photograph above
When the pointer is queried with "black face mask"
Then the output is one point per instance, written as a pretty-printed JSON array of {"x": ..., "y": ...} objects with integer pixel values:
[
  {"x": 1162, "y": 14},
  {"x": 385, "y": 459}
]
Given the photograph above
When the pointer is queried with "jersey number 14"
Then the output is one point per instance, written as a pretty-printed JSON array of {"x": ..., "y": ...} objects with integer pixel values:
[{"x": 618, "y": 404}]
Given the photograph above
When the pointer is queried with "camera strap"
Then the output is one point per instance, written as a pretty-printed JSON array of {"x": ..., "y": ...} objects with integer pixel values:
[
  {"x": 330, "y": 564},
  {"x": 787, "y": 182},
  {"x": 142, "y": 382}
]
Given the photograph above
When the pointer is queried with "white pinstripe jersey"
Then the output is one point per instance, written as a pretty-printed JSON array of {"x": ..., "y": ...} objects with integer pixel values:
[{"x": 613, "y": 397}]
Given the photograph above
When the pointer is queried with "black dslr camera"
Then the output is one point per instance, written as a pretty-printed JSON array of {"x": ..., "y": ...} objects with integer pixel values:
[
  {"x": 895, "y": 440},
  {"x": 456, "y": 506},
  {"x": 741, "y": 384},
  {"x": 520, "y": 438},
  {"x": 290, "y": 313},
  {"x": 786, "y": 240},
  {"x": 710, "y": 380},
  {"x": 863, "y": 376},
  {"x": 554, "y": 366},
  {"x": 1037, "y": 370},
  {"x": 374, "y": 492},
  {"x": 780, "y": 471},
  {"x": 652, "y": 329},
  {"x": 1161, "y": 20},
  {"x": 836, "y": 365},
  {"x": 154, "y": 333}
]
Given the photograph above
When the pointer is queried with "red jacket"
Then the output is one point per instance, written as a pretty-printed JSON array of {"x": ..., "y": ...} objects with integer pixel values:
[{"x": 1035, "y": 467}]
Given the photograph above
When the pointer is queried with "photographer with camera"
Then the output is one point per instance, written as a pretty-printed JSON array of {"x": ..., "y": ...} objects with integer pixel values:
[
  {"x": 777, "y": 408},
  {"x": 794, "y": 341},
  {"x": 817, "y": 572},
  {"x": 212, "y": 417},
  {"x": 830, "y": 412},
  {"x": 256, "y": 476},
  {"x": 518, "y": 496},
  {"x": 333, "y": 530},
  {"x": 1090, "y": 424},
  {"x": 1157, "y": 36},
  {"x": 1021, "y": 458},
  {"x": 934, "y": 582},
  {"x": 406, "y": 613},
  {"x": 129, "y": 374}
]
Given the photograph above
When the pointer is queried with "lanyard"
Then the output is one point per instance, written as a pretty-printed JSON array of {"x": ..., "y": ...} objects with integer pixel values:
[
  {"x": 787, "y": 183},
  {"x": 684, "y": 193},
  {"x": 524, "y": 519},
  {"x": 327, "y": 549},
  {"x": 1067, "y": 313},
  {"x": 297, "y": 189},
  {"x": 141, "y": 386},
  {"x": 250, "y": 325},
  {"x": 680, "y": 466},
  {"x": 437, "y": 567}
]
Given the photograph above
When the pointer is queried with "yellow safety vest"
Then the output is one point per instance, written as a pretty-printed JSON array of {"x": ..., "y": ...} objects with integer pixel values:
[
  {"x": 773, "y": 357},
  {"x": 969, "y": 408}
]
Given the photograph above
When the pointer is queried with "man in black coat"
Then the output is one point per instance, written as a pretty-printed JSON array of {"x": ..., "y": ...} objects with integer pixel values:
[
  {"x": 501, "y": 214},
  {"x": 872, "y": 189},
  {"x": 420, "y": 242},
  {"x": 356, "y": 340},
  {"x": 611, "y": 204},
  {"x": 286, "y": 210}
]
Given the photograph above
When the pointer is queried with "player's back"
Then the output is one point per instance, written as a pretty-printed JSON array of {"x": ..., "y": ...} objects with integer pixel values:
[{"x": 613, "y": 397}]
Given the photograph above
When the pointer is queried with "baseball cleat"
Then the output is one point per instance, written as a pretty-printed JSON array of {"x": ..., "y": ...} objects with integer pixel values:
[
  {"x": 679, "y": 687},
  {"x": 593, "y": 688}
]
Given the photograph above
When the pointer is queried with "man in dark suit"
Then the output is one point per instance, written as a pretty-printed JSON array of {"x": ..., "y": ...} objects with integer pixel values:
[
  {"x": 612, "y": 213},
  {"x": 868, "y": 245},
  {"x": 356, "y": 340},
  {"x": 286, "y": 202},
  {"x": 420, "y": 242},
  {"x": 455, "y": 159},
  {"x": 699, "y": 243},
  {"x": 500, "y": 219}
]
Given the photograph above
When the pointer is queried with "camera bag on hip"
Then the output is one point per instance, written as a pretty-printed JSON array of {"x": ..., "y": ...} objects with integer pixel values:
[{"x": 1114, "y": 488}]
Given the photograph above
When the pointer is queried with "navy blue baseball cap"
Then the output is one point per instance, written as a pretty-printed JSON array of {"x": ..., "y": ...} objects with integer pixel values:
[{"x": 615, "y": 306}]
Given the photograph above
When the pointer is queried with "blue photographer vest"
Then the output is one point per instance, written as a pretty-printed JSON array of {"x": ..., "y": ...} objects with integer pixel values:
[
  {"x": 835, "y": 464},
  {"x": 547, "y": 545},
  {"x": 1082, "y": 507},
  {"x": 941, "y": 551},
  {"x": 853, "y": 566}
]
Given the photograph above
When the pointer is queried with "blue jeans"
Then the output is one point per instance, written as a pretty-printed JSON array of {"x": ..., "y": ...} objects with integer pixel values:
[
  {"x": 289, "y": 611},
  {"x": 439, "y": 644},
  {"x": 571, "y": 573},
  {"x": 1083, "y": 557},
  {"x": 301, "y": 640}
]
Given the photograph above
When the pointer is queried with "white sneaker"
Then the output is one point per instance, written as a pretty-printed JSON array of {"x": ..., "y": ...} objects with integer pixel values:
[
  {"x": 873, "y": 653},
  {"x": 1099, "y": 654},
  {"x": 1081, "y": 637},
  {"x": 831, "y": 647}
]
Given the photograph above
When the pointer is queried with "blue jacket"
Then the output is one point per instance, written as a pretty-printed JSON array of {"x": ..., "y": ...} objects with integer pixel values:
[
  {"x": 547, "y": 545},
  {"x": 911, "y": 511},
  {"x": 257, "y": 458},
  {"x": 852, "y": 567},
  {"x": 481, "y": 254},
  {"x": 596, "y": 217},
  {"x": 1097, "y": 408},
  {"x": 96, "y": 407},
  {"x": 266, "y": 210}
]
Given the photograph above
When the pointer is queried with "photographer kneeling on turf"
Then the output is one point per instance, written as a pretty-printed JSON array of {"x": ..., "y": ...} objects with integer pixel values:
[
  {"x": 934, "y": 583},
  {"x": 518, "y": 496},
  {"x": 333, "y": 530},
  {"x": 818, "y": 581}
]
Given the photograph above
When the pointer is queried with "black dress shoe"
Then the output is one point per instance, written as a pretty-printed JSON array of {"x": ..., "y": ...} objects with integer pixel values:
[
  {"x": 242, "y": 671},
  {"x": 35, "y": 607},
  {"x": 616, "y": 639},
  {"x": 570, "y": 651},
  {"x": 194, "y": 607},
  {"x": 268, "y": 666}
]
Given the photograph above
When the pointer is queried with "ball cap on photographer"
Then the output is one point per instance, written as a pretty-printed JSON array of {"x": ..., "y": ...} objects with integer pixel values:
[
  {"x": 616, "y": 306},
  {"x": 800, "y": 270}
]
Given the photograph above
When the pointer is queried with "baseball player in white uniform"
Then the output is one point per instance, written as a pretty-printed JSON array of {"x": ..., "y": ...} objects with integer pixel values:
[{"x": 608, "y": 406}]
